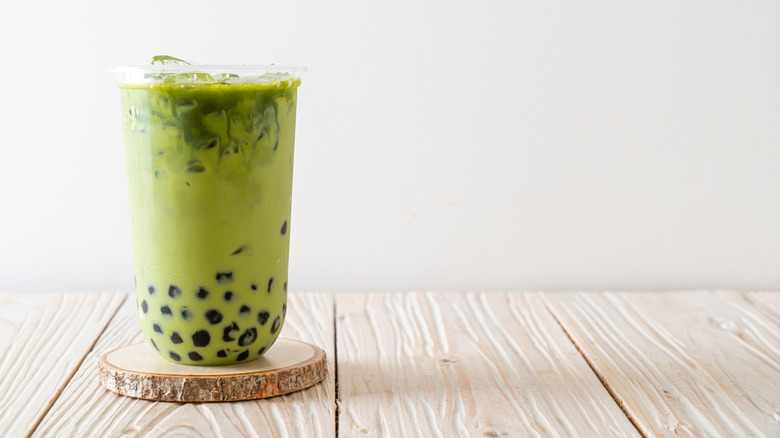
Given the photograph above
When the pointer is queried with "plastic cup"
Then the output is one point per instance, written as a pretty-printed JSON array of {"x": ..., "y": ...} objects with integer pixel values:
[{"x": 209, "y": 154}]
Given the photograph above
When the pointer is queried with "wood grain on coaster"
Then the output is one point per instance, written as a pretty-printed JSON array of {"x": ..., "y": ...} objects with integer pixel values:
[{"x": 138, "y": 371}]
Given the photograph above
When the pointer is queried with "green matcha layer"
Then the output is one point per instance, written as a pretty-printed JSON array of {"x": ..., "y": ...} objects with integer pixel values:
[{"x": 210, "y": 178}]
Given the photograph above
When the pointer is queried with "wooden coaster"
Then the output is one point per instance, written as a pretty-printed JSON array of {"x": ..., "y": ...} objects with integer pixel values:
[{"x": 138, "y": 371}]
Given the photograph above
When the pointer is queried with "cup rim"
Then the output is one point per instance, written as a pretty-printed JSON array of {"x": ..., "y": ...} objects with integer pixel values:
[{"x": 210, "y": 68}]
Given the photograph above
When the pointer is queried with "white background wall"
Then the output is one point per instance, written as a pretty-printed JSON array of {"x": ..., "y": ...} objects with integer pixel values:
[{"x": 442, "y": 145}]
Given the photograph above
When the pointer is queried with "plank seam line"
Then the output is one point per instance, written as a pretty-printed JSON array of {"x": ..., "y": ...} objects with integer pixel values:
[
  {"x": 73, "y": 372},
  {"x": 336, "y": 367},
  {"x": 601, "y": 378}
]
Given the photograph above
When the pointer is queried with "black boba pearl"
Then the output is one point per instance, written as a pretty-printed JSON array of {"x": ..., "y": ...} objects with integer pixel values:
[
  {"x": 254, "y": 286},
  {"x": 214, "y": 316},
  {"x": 196, "y": 168},
  {"x": 151, "y": 290},
  {"x": 154, "y": 344},
  {"x": 228, "y": 296},
  {"x": 224, "y": 277},
  {"x": 221, "y": 353},
  {"x": 243, "y": 355},
  {"x": 284, "y": 310},
  {"x": 261, "y": 350},
  {"x": 262, "y": 317},
  {"x": 202, "y": 293},
  {"x": 194, "y": 356},
  {"x": 244, "y": 309},
  {"x": 201, "y": 338},
  {"x": 248, "y": 337},
  {"x": 165, "y": 310},
  {"x": 175, "y": 338},
  {"x": 275, "y": 325},
  {"x": 285, "y": 286},
  {"x": 270, "y": 282},
  {"x": 174, "y": 291},
  {"x": 157, "y": 328},
  {"x": 284, "y": 228},
  {"x": 228, "y": 329},
  {"x": 186, "y": 314},
  {"x": 144, "y": 306},
  {"x": 174, "y": 356}
]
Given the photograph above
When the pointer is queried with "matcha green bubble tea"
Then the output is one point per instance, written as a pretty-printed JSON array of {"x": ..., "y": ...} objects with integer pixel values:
[{"x": 209, "y": 153}]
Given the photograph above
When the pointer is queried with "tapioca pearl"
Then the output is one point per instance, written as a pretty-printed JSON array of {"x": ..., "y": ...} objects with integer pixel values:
[
  {"x": 193, "y": 355},
  {"x": 151, "y": 290},
  {"x": 254, "y": 286},
  {"x": 174, "y": 291},
  {"x": 284, "y": 228},
  {"x": 174, "y": 356},
  {"x": 248, "y": 337},
  {"x": 165, "y": 310},
  {"x": 244, "y": 309},
  {"x": 275, "y": 325},
  {"x": 221, "y": 353},
  {"x": 157, "y": 328},
  {"x": 196, "y": 168},
  {"x": 224, "y": 277},
  {"x": 228, "y": 296},
  {"x": 284, "y": 310},
  {"x": 154, "y": 344},
  {"x": 239, "y": 250},
  {"x": 228, "y": 330},
  {"x": 270, "y": 282},
  {"x": 201, "y": 338},
  {"x": 243, "y": 355},
  {"x": 144, "y": 306},
  {"x": 262, "y": 317},
  {"x": 202, "y": 293},
  {"x": 285, "y": 286},
  {"x": 186, "y": 314},
  {"x": 213, "y": 316},
  {"x": 175, "y": 338},
  {"x": 261, "y": 350}
]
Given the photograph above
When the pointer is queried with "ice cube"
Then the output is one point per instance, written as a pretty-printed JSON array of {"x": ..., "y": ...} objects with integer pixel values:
[
  {"x": 185, "y": 78},
  {"x": 178, "y": 78},
  {"x": 266, "y": 78},
  {"x": 224, "y": 77}
]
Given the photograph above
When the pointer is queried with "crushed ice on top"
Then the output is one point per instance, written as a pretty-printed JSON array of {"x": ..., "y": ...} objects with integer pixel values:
[{"x": 204, "y": 78}]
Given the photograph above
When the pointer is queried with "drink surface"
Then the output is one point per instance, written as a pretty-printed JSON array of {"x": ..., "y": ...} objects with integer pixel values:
[{"x": 210, "y": 178}]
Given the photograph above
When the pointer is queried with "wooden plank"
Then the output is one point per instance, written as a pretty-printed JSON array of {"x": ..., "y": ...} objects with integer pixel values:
[
  {"x": 766, "y": 302},
  {"x": 44, "y": 338},
  {"x": 86, "y": 409},
  {"x": 477, "y": 364},
  {"x": 704, "y": 363}
]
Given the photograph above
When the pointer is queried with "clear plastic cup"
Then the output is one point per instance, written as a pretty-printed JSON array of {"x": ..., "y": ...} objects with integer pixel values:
[{"x": 209, "y": 154}]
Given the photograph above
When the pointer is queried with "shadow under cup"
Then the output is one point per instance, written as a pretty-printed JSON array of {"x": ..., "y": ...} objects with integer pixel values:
[{"x": 209, "y": 172}]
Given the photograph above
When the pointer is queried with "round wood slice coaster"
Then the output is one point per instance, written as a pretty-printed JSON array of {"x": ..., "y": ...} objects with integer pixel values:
[{"x": 138, "y": 371}]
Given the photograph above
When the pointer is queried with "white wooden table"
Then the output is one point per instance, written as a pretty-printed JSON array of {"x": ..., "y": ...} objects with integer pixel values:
[{"x": 704, "y": 363}]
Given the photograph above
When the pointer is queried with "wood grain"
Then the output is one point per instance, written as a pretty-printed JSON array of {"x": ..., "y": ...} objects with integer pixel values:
[
  {"x": 477, "y": 364},
  {"x": 86, "y": 409},
  {"x": 703, "y": 363},
  {"x": 44, "y": 338},
  {"x": 139, "y": 371}
]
